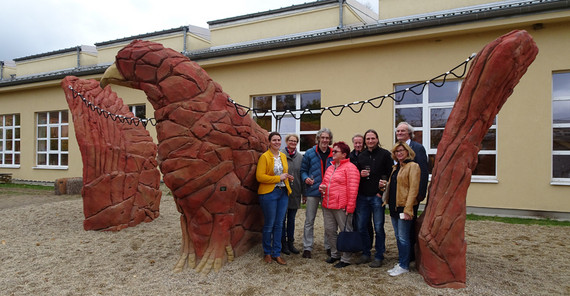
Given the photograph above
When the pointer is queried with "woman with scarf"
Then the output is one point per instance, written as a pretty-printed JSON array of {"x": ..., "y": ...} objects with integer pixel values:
[{"x": 294, "y": 159}]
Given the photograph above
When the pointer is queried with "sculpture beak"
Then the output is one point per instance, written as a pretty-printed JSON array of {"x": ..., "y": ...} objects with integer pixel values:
[{"x": 113, "y": 76}]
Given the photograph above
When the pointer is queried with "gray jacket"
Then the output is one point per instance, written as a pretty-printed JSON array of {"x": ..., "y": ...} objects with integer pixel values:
[{"x": 294, "y": 163}]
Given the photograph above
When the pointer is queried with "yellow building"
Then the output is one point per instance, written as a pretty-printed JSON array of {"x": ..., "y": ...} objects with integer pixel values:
[{"x": 327, "y": 53}]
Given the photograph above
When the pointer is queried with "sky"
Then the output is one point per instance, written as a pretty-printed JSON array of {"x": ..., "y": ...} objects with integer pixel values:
[{"x": 29, "y": 27}]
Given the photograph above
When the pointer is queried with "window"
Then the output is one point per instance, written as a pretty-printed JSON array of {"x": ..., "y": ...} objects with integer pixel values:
[
  {"x": 561, "y": 127},
  {"x": 428, "y": 113},
  {"x": 10, "y": 140},
  {"x": 52, "y": 139},
  {"x": 138, "y": 110},
  {"x": 308, "y": 125}
]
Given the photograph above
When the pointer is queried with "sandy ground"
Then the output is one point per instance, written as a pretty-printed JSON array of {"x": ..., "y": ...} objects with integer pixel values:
[{"x": 45, "y": 251}]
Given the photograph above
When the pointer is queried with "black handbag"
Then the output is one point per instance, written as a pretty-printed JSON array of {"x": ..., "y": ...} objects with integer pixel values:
[{"x": 349, "y": 241}]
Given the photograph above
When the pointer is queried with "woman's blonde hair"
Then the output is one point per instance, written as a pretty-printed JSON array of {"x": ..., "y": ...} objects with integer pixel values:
[{"x": 411, "y": 153}]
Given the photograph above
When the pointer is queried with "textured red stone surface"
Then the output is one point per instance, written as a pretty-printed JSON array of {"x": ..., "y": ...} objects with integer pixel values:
[
  {"x": 120, "y": 175},
  {"x": 206, "y": 151},
  {"x": 494, "y": 73}
]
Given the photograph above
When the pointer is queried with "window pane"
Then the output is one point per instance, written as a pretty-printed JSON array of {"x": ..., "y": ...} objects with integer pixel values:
[
  {"x": 311, "y": 101},
  {"x": 54, "y": 144},
  {"x": 54, "y": 132},
  {"x": 1, "y": 146},
  {"x": 65, "y": 131},
  {"x": 9, "y": 134},
  {"x": 42, "y": 159},
  {"x": 285, "y": 102},
  {"x": 53, "y": 159},
  {"x": 9, "y": 144},
  {"x": 561, "y": 85},
  {"x": 8, "y": 158},
  {"x": 17, "y": 119},
  {"x": 287, "y": 127},
  {"x": 17, "y": 130},
  {"x": 42, "y": 132},
  {"x": 561, "y": 111},
  {"x": 140, "y": 111},
  {"x": 42, "y": 118},
  {"x": 431, "y": 160},
  {"x": 418, "y": 137},
  {"x": 16, "y": 158},
  {"x": 42, "y": 145},
  {"x": 17, "y": 147},
  {"x": 64, "y": 159},
  {"x": 561, "y": 138},
  {"x": 411, "y": 115},
  {"x": 310, "y": 122},
  {"x": 561, "y": 166},
  {"x": 489, "y": 141},
  {"x": 263, "y": 103},
  {"x": 485, "y": 165},
  {"x": 439, "y": 117},
  {"x": 436, "y": 135},
  {"x": 408, "y": 97},
  {"x": 446, "y": 93},
  {"x": 64, "y": 117},
  {"x": 54, "y": 117},
  {"x": 264, "y": 122},
  {"x": 64, "y": 144},
  {"x": 9, "y": 120},
  {"x": 307, "y": 141}
]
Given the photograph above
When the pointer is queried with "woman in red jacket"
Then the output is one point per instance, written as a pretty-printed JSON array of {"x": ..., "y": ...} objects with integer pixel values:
[{"x": 339, "y": 189}]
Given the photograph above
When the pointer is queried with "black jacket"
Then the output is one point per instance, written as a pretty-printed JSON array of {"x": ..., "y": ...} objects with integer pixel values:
[{"x": 380, "y": 162}]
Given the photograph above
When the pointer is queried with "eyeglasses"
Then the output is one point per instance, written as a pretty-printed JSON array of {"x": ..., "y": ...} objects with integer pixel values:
[{"x": 336, "y": 151}]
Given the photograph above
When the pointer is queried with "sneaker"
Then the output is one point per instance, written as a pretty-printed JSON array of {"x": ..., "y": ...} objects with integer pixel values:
[
  {"x": 393, "y": 268},
  {"x": 376, "y": 263},
  {"x": 363, "y": 259},
  {"x": 398, "y": 270},
  {"x": 341, "y": 264},
  {"x": 306, "y": 254},
  {"x": 331, "y": 260}
]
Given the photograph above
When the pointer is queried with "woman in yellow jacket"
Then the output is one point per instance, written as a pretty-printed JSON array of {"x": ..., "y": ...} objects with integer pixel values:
[
  {"x": 273, "y": 193},
  {"x": 400, "y": 195}
]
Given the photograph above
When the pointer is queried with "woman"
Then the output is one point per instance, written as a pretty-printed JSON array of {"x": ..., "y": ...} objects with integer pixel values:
[
  {"x": 339, "y": 189},
  {"x": 273, "y": 190},
  {"x": 400, "y": 195},
  {"x": 294, "y": 159}
]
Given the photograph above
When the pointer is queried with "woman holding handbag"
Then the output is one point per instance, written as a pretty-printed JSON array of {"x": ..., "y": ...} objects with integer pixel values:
[{"x": 339, "y": 189}]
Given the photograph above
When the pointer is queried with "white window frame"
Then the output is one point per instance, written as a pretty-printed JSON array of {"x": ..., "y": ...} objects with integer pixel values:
[
  {"x": 133, "y": 109},
  {"x": 274, "y": 121},
  {"x": 15, "y": 128},
  {"x": 557, "y": 181},
  {"x": 59, "y": 152},
  {"x": 426, "y": 128}
]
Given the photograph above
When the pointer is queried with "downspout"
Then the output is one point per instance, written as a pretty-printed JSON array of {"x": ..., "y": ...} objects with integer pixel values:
[
  {"x": 1, "y": 70},
  {"x": 78, "y": 57},
  {"x": 184, "y": 51},
  {"x": 340, "y": 14}
]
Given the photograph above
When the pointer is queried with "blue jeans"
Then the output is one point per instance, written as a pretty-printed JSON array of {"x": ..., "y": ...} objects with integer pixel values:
[
  {"x": 402, "y": 231},
  {"x": 289, "y": 226},
  {"x": 367, "y": 206},
  {"x": 274, "y": 205}
]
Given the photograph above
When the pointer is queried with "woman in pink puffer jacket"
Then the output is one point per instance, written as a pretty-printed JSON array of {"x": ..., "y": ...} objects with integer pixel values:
[{"x": 339, "y": 189}]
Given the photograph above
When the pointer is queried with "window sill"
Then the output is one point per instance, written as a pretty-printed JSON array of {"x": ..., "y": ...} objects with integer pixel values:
[
  {"x": 560, "y": 183},
  {"x": 50, "y": 168},
  {"x": 9, "y": 166}
]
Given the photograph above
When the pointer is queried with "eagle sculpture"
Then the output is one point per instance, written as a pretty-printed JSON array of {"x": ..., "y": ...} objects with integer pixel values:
[{"x": 207, "y": 152}]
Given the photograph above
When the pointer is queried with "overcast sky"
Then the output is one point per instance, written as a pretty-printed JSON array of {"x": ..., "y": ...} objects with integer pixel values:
[{"x": 29, "y": 27}]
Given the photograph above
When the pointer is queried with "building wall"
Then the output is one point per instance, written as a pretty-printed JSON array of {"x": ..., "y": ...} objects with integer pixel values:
[{"x": 399, "y": 8}]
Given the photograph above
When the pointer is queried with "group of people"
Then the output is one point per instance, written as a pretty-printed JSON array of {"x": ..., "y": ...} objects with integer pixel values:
[{"x": 353, "y": 188}]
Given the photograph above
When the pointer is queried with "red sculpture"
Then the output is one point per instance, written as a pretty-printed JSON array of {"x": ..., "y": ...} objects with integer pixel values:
[
  {"x": 206, "y": 152},
  {"x": 120, "y": 178},
  {"x": 490, "y": 81}
]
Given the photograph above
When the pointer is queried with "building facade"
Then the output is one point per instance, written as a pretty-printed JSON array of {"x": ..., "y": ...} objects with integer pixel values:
[{"x": 334, "y": 53}]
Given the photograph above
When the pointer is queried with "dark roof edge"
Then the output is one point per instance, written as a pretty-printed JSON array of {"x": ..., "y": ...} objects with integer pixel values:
[
  {"x": 141, "y": 36},
  {"x": 40, "y": 55},
  {"x": 99, "y": 69},
  {"x": 385, "y": 27},
  {"x": 273, "y": 11}
]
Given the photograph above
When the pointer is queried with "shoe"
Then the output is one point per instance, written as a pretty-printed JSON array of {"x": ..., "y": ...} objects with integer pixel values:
[
  {"x": 363, "y": 259},
  {"x": 331, "y": 260},
  {"x": 376, "y": 263},
  {"x": 398, "y": 270},
  {"x": 292, "y": 248},
  {"x": 267, "y": 259},
  {"x": 341, "y": 264},
  {"x": 279, "y": 260},
  {"x": 285, "y": 248},
  {"x": 329, "y": 252},
  {"x": 306, "y": 254},
  {"x": 394, "y": 268}
]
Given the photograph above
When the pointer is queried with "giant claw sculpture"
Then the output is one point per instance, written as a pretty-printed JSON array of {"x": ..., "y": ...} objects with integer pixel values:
[
  {"x": 206, "y": 152},
  {"x": 494, "y": 73},
  {"x": 120, "y": 178}
]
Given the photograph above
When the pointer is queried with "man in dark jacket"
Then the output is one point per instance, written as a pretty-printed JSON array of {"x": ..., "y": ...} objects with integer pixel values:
[
  {"x": 315, "y": 162},
  {"x": 374, "y": 163}
]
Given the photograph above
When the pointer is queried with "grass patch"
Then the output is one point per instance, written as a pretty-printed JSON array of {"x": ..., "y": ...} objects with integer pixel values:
[
  {"x": 26, "y": 186},
  {"x": 514, "y": 220}
]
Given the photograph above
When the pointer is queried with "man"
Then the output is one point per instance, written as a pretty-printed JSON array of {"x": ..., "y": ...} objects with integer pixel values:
[
  {"x": 315, "y": 162},
  {"x": 357, "y": 144},
  {"x": 374, "y": 163},
  {"x": 405, "y": 133}
]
